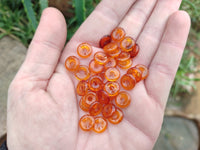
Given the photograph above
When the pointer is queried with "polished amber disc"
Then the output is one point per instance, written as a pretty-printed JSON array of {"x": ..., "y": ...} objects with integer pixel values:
[
  {"x": 116, "y": 117},
  {"x": 82, "y": 73},
  {"x": 128, "y": 81},
  {"x": 118, "y": 34},
  {"x": 144, "y": 70},
  {"x": 127, "y": 44},
  {"x": 84, "y": 50},
  {"x": 137, "y": 73},
  {"x": 112, "y": 88},
  {"x": 110, "y": 63},
  {"x": 95, "y": 83},
  {"x": 104, "y": 41},
  {"x": 123, "y": 99},
  {"x": 86, "y": 122},
  {"x": 72, "y": 63},
  {"x": 112, "y": 74},
  {"x": 100, "y": 124},
  {"x": 95, "y": 67},
  {"x": 82, "y": 88},
  {"x": 100, "y": 57}
]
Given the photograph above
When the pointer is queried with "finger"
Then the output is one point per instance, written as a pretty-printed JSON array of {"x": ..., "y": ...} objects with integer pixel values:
[
  {"x": 137, "y": 17},
  {"x": 45, "y": 48},
  {"x": 103, "y": 19},
  {"x": 152, "y": 32},
  {"x": 166, "y": 61}
]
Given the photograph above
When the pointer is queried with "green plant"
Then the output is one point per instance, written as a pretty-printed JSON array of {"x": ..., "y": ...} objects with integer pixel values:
[
  {"x": 185, "y": 78},
  {"x": 193, "y": 8},
  {"x": 81, "y": 9},
  {"x": 18, "y": 18}
]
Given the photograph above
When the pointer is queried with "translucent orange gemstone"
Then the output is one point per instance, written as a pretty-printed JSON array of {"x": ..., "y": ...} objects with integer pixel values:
[
  {"x": 82, "y": 88},
  {"x": 116, "y": 117},
  {"x": 72, "y": 63},
  {"x": 86, "y": 122},
  {"x": 110, "y": 48},
  {"x": 135, "y": 51},
  {"x": 82, "y": 104},
  {"x": 82, "y": 73},
  {"x": 108, "y": 110},
  {"x": 95, "y": 67},
  {"x": 90, "y": 98},
  {"x": 144, "y": 70},
  {"x": 104, "y": 41},
  {"x": 127, "y": 44},
  {"x": 123, "y": 56},
  {"x": 137, "y": 73},
  {"x": 128, "y": 81},
  {"x": 95, "y": 83},
  {"x": 115, "y": 54},
  {"x": 118, "y": 34},
  {"x": 100, "y": 124},
  {"x": 112, "y": 88},
  {"x": 123, "y": 99},
  {"x": 100, "y": 57},
  {"x": 84, "y": 50},
  {"x": 103, "y": 97},
  {"x": 125, "y": 64},
  {"x": 112, "y": 74},
  {"x": 95, "y": 108},
  {"x": 110, "y": 63}
]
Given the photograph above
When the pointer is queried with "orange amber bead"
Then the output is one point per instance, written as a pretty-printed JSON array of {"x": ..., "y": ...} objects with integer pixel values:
[
  {"x": 128, "y": 81},
  {"x": 100, "y": 57},
  {"x": 95, "y": 83},
  {"x": 95, "y": 108},
  {"x": 110, "y": 48},
  {"x": 103, "y": 97},
  {"x": 72, "y": 63},
  {"x": 112, "y": 74},
  {"x": 116, "y": 117},
  {"x": 125, "y": 64},
  {"x": 144, "y": 70},
  {"x": 90, "y": 98},
  {"x": 86, "y": 122},
  {"x": 112, "y": 88},
  {"x": 82, "y": 88},
  {"x": 82, "y": 104},
  {"x": 135, "y": 51},
  {"x": 118, "y": 34},
  {"x": 123, "y": 99},
  {"x": 108, "y": 110},
  {"x": 82, "y": 73},
  {"x": 127, "y": 44},
  {"x": 136, "y": 73},
  {"x": 110, "y": 63},
  {"x": 123, "y": 56},
  {"x": 115, "y": 54},
  {"x": 100, "y": 124},
  {"x": 84, "y": 50},
  {"x": 95, "y": 67},
  {"x": 104, "y": 41}
]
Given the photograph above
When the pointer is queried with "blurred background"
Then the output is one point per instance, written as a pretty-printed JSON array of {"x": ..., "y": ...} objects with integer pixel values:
[{"x": 19, "y": 20}]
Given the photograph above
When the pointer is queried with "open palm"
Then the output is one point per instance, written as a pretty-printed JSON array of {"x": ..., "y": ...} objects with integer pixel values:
[{"x": 43, "y": 110}]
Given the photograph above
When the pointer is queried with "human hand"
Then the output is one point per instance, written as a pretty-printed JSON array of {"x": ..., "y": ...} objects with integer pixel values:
[{"x": 43, "y": 110}]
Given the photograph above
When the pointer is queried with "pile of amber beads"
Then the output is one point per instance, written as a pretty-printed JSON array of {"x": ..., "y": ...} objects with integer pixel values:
[{"x": 100, "y": 81}]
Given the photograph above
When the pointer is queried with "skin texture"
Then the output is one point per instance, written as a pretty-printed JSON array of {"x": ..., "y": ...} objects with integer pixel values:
[{"x": 43, "y": 108}]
